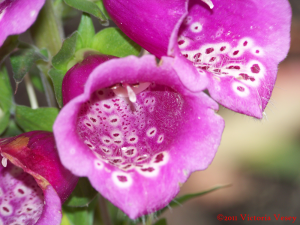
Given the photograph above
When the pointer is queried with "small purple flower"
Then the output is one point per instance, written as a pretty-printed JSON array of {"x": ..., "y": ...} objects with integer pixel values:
[
  {"x": 136, "y": 132},
  {"x": 33, "y": 182},
  {"x": 234, "y": 46},
  {"x": 16, "y": 16}
]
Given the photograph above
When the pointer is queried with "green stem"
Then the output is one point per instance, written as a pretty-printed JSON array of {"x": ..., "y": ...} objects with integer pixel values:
[
  {"x": 149, "y": 219},
  {"x": 103, "y": 210},
  {"x": 30, "y": 91}
]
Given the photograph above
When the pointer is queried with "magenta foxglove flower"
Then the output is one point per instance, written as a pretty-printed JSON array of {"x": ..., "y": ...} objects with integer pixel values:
[
  {"x": 234, "y": 46},
  {"x": 136, "y": 132},
  {"x": 16, "y": 16},
  {"x": 33, "y": 182}
]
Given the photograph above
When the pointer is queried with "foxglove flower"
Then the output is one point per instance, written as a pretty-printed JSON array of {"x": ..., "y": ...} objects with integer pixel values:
[
  {"x": 33, "y": 182},
  {"x": 136, "y": 132},
  {"x": 234, "y": 47},
  {"x": 16, "y": 16}
]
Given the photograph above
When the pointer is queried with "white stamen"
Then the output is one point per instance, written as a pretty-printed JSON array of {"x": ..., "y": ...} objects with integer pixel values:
[
  {"x": 131, "y": 94},
  {"x": 209, "y": 3},
  {"x": 4, "y": 161},
  {"x": 122, "y": 91}
]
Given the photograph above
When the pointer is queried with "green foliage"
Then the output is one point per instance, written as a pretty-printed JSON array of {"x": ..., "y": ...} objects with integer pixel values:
[
  {"x": 57, "y": 77},
  {"x": 66, "y": 53},
  {"x": 112, "y": 41},
  {"x": 35, "y": 119},
  {"x": 82, "y": 195},
  {"x": 86, "y": 32},
  {"x": 34, "y": 74},
  {"x": 79, "y": 215},
  {"x": 5, "y": 99},
  {"x": 8, "y": 46},
  {"x": 88, "y": 7},
  {"x": 162, "y": 221},
  {"x": 12, "y": 130},
  {"x": 23, "y": 59}
]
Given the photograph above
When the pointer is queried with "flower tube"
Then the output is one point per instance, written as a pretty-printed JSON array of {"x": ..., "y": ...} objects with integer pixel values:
[
  {"x": 33, "y": 182},
  {"x": 234, "y": 46},
  {"x": 137, "y": 132},
  {"x": 16, "y": 16}
]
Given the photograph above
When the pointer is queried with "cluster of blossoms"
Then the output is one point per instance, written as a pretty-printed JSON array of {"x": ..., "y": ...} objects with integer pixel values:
[{"x": 136, "y": 127}]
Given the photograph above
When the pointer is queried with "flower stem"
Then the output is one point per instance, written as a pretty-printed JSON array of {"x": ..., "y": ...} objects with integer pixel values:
[
  {"x": 149, "y": 219},
  {"x": 103, "y": 210},
  {"x": 30, "y": 91}
]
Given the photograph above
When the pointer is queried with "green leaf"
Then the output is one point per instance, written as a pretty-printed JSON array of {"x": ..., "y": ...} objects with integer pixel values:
[
  {"x": 86, "y": 32},
  {"x": 8, "y": 46},
  {"x": 82, "y": 195},
  {"x": 80, "y": 215},
  {"x": 102, "y": 8},
  {"x": 35, "y": 78},
  {"x": 57, "y": 77},
  {"x": 6, "y": 99},
  {"x": 88, "y": 7},
  {"x": 35, "y": 119},
  {"x": 112, "y": 41},
  {"x": 12, "y": 130},
  {"x": 162, "y": 221},
  {"x": 23, "y": 59},
  {"x": 66, "y": 53},
  {"x": 180, "y": 200}
]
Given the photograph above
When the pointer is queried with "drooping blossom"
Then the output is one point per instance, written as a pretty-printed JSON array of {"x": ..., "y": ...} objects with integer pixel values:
[
  {"x": 16, "y": 16},
  {"x": 136, "y": 132},
  {"x": 33, "y": 182},
  {"x": 233, "y": 45}
]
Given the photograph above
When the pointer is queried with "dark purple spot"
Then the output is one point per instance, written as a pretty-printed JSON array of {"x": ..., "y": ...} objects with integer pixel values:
[
  {"x": 212, "y": 59},
  {"x": 106, "y": 106},
  {"x": 255, "y": 68},
  {"x": 89, "y": 145},
  {"x": 116, "y": 161},
  {"x": 21, "y": 191},
  {"x": 159, "y": 158},
  {"x": 236, "y": 52},
  {"x": 241, "y": 89},
  {"x": 29, "y": 209},
  {"x": 130, "y": 152},
  {"x": 217, "y": 70},
  {"x": 122, "y": 178},
  {"x": 5, "y": 209},
  {"x": 234, "y": 67},
  {"x": 181, "y": 42},
  {"x": 257, "y": 51},
  {"x": 149, "y": 169},
  {"x": 209, "y": 50},
  {"x": 152, "y": 132},
  {"x": 118, "y": 142},
  {"x": 141, "y": 158},
  {"x": 185, "y": 55},
  {"x": 100, "y": 92},
  {"x": 107, "y": 141},
  {"x": 88, "y": 124},
  {"x": 244, "y": 76},
  {"x": 245, "y": 43},
  {"x": 197, "y": 56},
  {"x": 126, "y": 167},
  {"x": 114, "y": 120},
  {"x": 252, "y": 79},
  {"x": 132, "y": 139},
  {"x": 116, "y": 135},
  {"x": 196, "y": 28},
  {"x": 93, "y": 120},
  {"x": 222, "y": 48}
]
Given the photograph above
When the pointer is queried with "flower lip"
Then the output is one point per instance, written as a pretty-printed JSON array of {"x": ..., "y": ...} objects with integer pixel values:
[{"x": 124, "y": 179}]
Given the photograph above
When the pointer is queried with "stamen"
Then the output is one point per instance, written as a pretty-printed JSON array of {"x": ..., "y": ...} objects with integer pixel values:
[
  {"x": 209, "y": 3},
  {"x": 4, "y": 161},
  {"x": 131, "y": 94}
]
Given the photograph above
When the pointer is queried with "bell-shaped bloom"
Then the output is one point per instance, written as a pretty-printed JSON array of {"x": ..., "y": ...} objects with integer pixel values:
[
  {"x": 16, "y": 16},
  {"x": 33, "y": 182},
  {"x": 233, "y": 46},
  {"x": 136, "y": 131}
]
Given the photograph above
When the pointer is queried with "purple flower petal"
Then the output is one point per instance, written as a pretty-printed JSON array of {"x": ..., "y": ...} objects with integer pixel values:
[
  {"x": 16, "y": 16},
  {"x": 34, "y": 184},
  {"x": 235, "y": 46},
  {"x": 137, "y": 133},
  {"x": 150, "y": 24}
]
